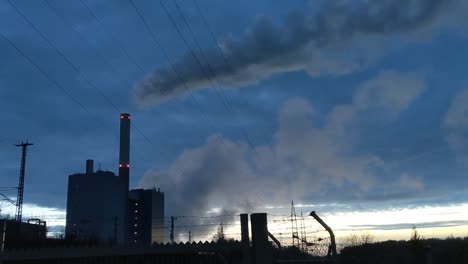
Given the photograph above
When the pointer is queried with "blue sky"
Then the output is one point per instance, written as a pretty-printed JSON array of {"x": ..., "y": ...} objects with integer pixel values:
[{"x": 318, "y": 102}]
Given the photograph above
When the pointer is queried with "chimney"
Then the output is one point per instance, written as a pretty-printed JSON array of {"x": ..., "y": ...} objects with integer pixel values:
[
  {"x": 124, "y": 154},
  {"x": 89, "y": 166}
]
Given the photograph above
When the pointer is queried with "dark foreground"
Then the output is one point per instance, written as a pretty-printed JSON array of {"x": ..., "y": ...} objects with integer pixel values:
[{"x": 443, "y": 251}]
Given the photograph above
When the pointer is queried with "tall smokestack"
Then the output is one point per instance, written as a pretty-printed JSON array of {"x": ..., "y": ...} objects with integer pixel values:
[
  {"x": 124, "y": 169},
  {"x": 124, "y": 154}
]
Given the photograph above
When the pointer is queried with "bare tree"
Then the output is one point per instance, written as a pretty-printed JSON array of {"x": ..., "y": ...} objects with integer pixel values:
[
  {"x": 367, "y": 238},
  {"x": 358, "y": 239},
  {"x": 219, "y": 236}
]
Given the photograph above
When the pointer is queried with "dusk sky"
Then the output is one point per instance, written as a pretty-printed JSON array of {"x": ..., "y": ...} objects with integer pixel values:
[{"x": 355, "y": 109}]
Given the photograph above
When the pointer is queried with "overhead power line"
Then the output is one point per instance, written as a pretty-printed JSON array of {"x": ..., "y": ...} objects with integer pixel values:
[
  {"x": 158, "y": 44},
  {"x": 215, "y": 216},
  {"x": 65, "y": 21},
  {"x": 68, "y": 60},
  {"x": 212, "y": 81},
  {"x": 127, "y": 54},
  {"x": 213, "y": 37},
  {"x": 226, "y": 60},
  {"x": 179, "y": 76},
  {"x": 54, "y": 82},
  {"x": 83, "y": 76},
  {"x": 114, "y": 39},
  {"x": 110, "y": 66}
]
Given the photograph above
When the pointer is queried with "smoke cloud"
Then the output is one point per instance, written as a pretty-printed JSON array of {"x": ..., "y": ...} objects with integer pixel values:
[
  {"x": 308, "y": 158},
  {"x": 301, "y": 42}
]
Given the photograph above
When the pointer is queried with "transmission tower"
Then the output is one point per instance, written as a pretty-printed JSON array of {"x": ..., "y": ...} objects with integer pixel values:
[
  {"x": 294, "y": 229},
  {"x": 19, "y": 198}
]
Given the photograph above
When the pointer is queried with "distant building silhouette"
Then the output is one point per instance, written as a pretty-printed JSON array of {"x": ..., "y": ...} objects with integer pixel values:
[
  {"x": 101, "y": 208},
  {"x": 16, "y": 234}
]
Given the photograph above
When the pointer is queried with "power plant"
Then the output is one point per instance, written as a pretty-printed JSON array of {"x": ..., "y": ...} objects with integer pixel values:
[
  {"x": 106, "y": 222},
  {"x": 101, "y": 208}
]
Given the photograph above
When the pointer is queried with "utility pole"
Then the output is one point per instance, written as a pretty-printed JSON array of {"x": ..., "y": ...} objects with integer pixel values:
[
  {"x": 171, "y": 235},
  {"x": 190, "y": 236},
  {"x": 19, "y": 199},
  {"x": 3, "y": 235}
]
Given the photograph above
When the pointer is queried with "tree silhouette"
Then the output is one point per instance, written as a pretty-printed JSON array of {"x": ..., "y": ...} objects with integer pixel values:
[
  {"x": 415, "y": 237},
  {"x": 362, "y": 238},
  {"x": 220, "y": 236}
]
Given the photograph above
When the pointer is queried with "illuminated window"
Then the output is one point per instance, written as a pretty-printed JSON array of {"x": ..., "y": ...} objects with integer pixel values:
[
  {"x": 136, "y": 211},
  {"x": 136, "y": 224},
  {"x": 136, "y": 233}
]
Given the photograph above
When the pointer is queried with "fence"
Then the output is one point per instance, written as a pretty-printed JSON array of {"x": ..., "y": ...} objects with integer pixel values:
[{"x": 301, "y": 233}]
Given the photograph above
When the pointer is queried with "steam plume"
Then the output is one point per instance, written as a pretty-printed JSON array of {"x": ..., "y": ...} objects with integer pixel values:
[{"x": 306, "y": 160}]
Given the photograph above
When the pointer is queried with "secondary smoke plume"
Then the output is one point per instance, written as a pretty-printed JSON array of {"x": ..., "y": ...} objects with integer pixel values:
[{"x": 298, "y": 44}]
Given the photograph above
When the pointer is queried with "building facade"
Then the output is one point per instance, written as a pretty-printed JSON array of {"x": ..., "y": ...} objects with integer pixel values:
[
  {"x": 146, "y": 217},
  {"x": 96, "y": 207}
]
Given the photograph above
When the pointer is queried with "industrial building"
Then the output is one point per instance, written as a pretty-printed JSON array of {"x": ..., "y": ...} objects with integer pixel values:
[
  {"x": 95, "y": 206},
  {"x": 146, "y": 216},
  {"x": 14, "y": 234},
  {"x": 101, "y": 208}
]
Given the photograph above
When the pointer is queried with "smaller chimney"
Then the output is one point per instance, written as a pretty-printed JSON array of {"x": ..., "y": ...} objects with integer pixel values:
[{"x": 89, "y": 166}]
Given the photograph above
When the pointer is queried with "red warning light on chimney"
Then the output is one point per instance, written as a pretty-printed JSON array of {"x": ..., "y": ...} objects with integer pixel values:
[
  {"x": 121, "y": 117},
  {"x": 128, "y": 165},
  {"x": 120, "y": 165}
]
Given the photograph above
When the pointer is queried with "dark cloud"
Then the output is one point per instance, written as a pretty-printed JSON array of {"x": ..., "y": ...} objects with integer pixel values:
[
  {"x": 399, "y": 226},
  {"x": 455, "y": 126},
  {"x": 301, "y": 42}
]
